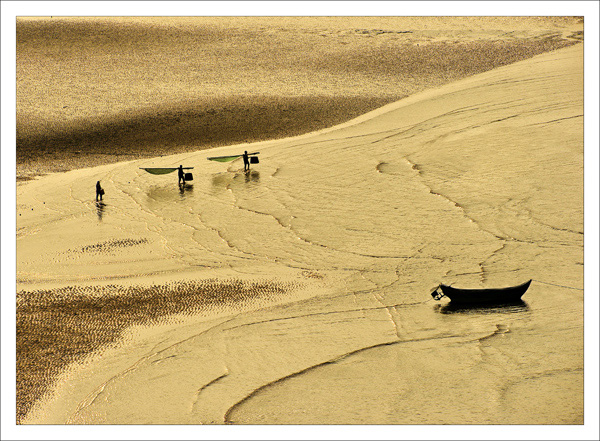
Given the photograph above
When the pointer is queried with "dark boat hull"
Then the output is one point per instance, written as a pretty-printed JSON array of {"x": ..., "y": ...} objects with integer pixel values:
[{"x": 499, "y": 295}]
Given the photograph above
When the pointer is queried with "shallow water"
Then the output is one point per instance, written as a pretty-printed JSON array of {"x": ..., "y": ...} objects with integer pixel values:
[{"x": 449, "y": 186}]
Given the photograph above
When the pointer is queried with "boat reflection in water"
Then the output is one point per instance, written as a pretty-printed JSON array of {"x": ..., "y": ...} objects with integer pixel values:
[{"x": 487, "y": 308}]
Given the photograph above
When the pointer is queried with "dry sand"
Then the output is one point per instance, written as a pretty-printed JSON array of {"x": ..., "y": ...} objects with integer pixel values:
[{"x": 325, "y": 255}]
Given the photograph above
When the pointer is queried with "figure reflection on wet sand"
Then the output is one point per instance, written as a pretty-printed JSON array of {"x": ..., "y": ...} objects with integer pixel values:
[
  {"x": 252, "y": 175},
  {"x": 100, "y": 206},
  {"x": 185, "y": 188},
  {"x": 495, "y": 308},
  {"x": 167, "y": 193},
  {"x": 229, "y": 180}
]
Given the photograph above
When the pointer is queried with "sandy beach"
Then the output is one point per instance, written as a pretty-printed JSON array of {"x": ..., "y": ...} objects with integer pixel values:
[{"x": 395, "y": 155}]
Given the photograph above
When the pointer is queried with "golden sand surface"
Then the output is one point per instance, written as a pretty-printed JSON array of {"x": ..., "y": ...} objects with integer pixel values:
[
  {"x": 344, "y": 232},
  {"x": 92, "y": 91}
]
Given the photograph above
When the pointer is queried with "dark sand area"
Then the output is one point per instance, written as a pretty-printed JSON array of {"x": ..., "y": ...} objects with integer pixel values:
[
  {"x": 91, "y": 92},
  {"x": 184, "y": 127},
  {"x": 57, "y": 327}
]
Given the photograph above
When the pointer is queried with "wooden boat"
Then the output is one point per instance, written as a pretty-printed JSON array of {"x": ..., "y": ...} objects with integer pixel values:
[{"x": 493, "y": 295}]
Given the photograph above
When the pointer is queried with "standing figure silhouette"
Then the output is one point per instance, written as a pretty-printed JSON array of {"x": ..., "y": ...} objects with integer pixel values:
[
  {"x": 246, "y": 161},
  {"x": 99, "y": 191},
  {"x": 181, "y": 175}
]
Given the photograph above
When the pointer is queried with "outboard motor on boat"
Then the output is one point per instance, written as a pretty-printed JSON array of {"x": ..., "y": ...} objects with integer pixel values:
[{"x": 437, "y": 294}]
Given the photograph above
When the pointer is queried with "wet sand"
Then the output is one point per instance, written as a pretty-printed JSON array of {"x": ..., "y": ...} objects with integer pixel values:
[{"x": 444, "y": 186}]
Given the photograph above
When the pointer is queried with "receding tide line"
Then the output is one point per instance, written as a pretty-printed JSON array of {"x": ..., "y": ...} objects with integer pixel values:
[{"x": 255, "y": 392}]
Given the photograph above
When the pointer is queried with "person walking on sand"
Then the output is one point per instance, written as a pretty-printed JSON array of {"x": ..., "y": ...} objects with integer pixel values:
[
  {"x": 246, "y": 161},
  {"x": 99, "y": 191},
  {"x": 181, "y": 175}
]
